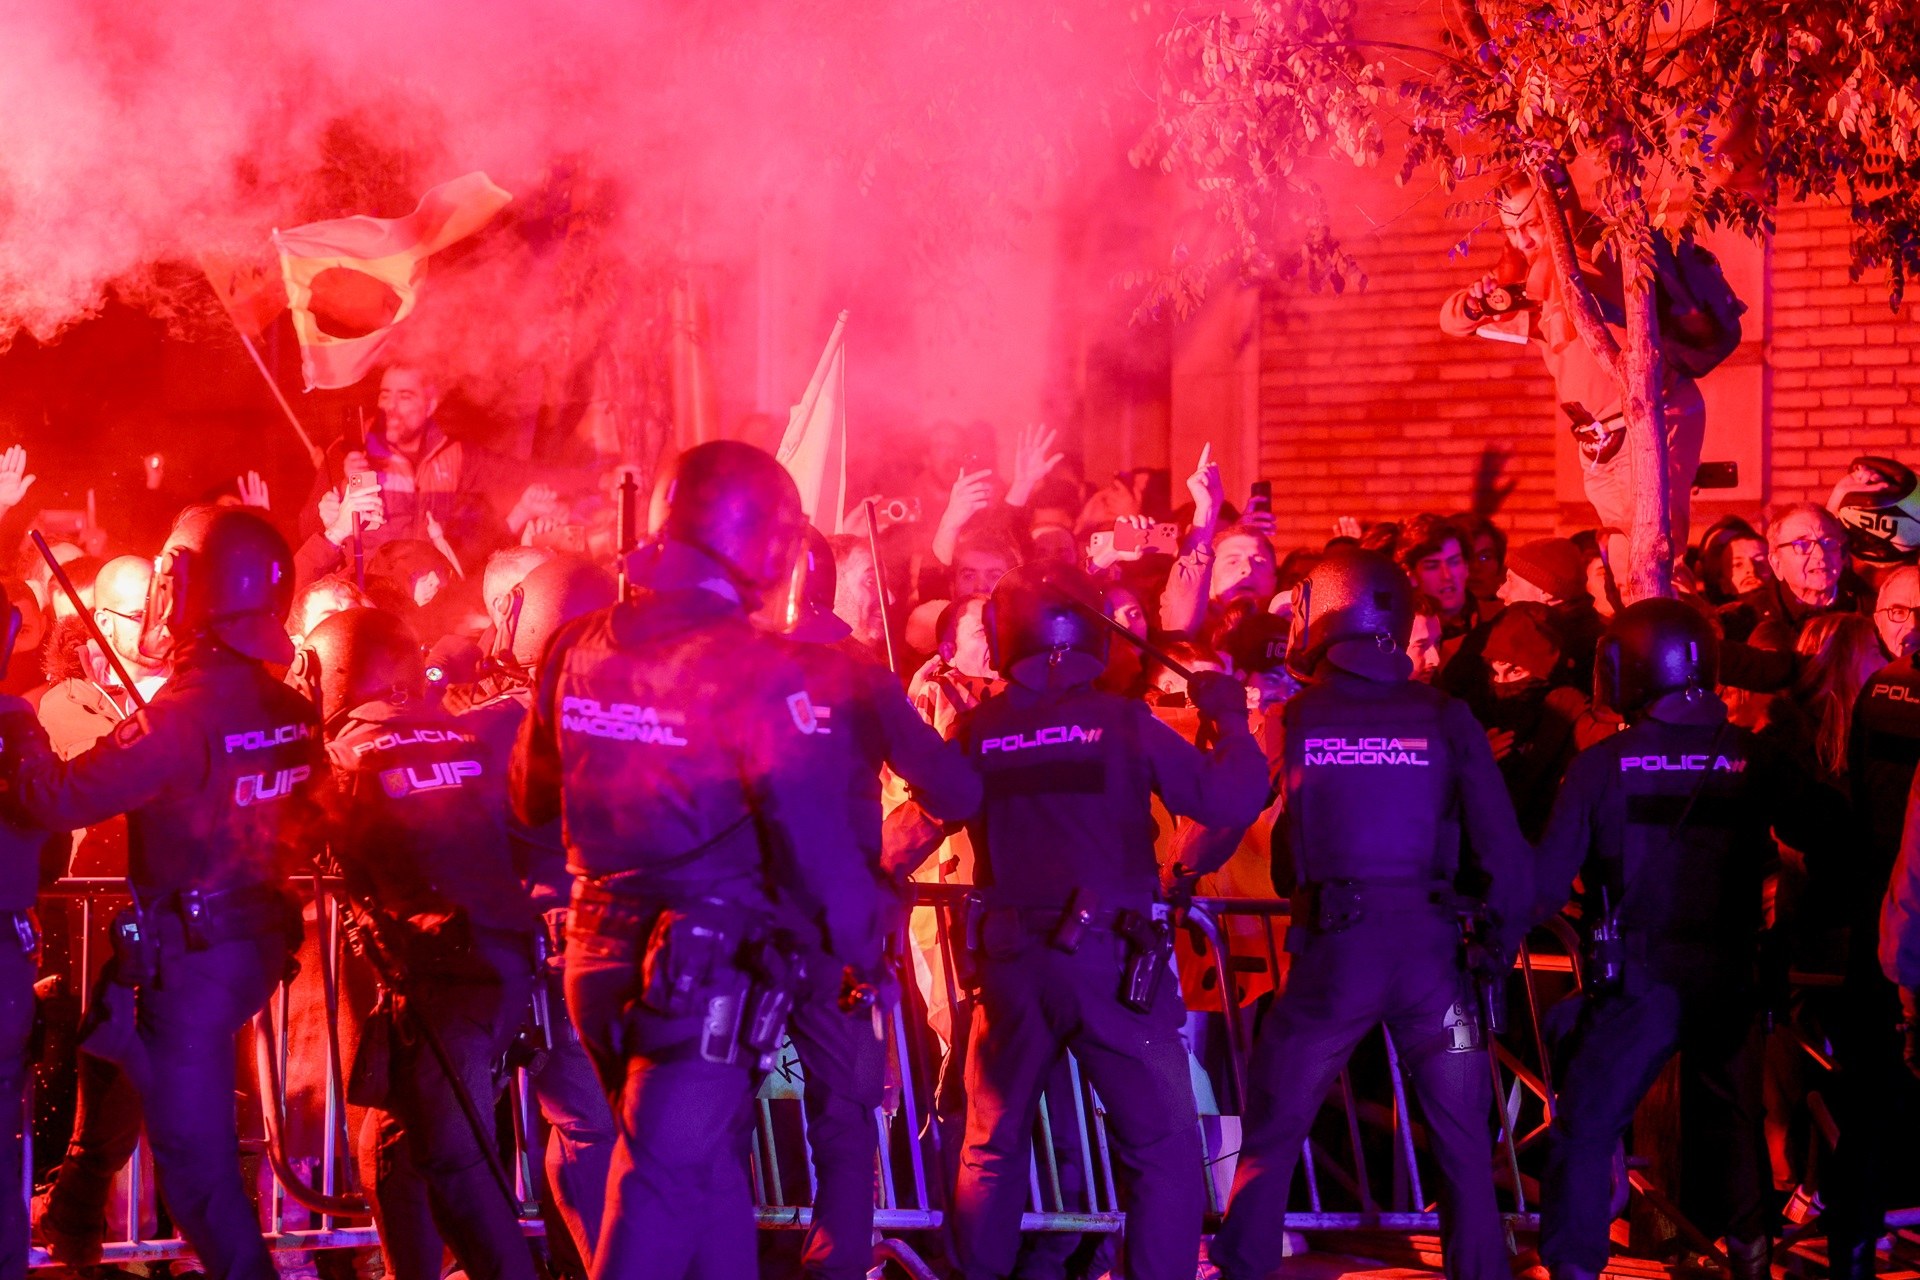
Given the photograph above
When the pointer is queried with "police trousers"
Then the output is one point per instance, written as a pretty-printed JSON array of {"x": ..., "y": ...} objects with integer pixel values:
[
  {"x": 419, "y": 1138},
  {"x": 1877, "y": 1105},
  {"x": 678, "y": 1199},
  {"x": 843, "y": 1058},
  {"x": 1035, "y": 1003},
  {"x": 16, "y": 1031},
  {"x": 1403, "y": 969},
  {"x": 1618, "y": 1048},
  {"x": 579, "y": 1128},
  {"x": 175, "y": 1065}
]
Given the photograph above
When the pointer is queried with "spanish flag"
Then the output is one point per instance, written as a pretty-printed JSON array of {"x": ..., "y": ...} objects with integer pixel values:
[{"x": 351, "y": 281}]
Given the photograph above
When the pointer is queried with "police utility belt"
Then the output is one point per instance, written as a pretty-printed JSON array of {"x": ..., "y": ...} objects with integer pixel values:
[
  {"x": 195, "y": 920},
  {"x": 721, "y": 962},
  {"x": 1332, "y": 906},
  {"x": 1002, "y": 932}
]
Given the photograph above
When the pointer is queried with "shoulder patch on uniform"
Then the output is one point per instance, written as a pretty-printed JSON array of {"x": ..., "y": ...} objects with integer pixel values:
[
  {"x": 132, "y": 729},
  {"x": 800, "y": 707}
]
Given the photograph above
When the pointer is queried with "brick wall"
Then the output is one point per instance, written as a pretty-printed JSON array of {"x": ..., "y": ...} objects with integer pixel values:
[
  {"x": 1843, "y": 369},
  {"x": 1367, "y": 409}
]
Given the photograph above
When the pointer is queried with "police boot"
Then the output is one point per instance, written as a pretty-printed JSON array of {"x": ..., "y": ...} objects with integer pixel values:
[{"x": 1750, "y": 1259}]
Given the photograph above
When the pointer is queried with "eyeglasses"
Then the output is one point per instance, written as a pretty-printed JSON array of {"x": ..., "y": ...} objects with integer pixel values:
[
  {"x": 1803, "y": 547},
  {"x": 1898, "y": 614},
  {"x": 138, "y": 617}
]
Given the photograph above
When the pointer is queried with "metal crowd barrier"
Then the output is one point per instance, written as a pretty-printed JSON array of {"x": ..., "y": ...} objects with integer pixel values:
[{"x": 1363, "y": 1169}]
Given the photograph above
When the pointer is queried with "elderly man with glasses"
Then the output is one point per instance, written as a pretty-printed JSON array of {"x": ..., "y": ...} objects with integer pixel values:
[{"x": 1807, "y": 545}]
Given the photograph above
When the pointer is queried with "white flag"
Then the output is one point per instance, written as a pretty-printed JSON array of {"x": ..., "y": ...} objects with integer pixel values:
[{"x": 814, "y": 449}]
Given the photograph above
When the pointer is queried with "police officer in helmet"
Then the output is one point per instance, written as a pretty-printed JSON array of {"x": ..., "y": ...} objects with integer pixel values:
[
  {"x": 574, "y": 1106},
  {"x": 838, "y": 1023},
  {"x": 1381, "y": 776},
  {"x": 20, "y": 845},
  {"x": 420, "y": 835},
  {"x": 1668, "y": 824},
  {"x": 217, "y": 777},
  {"x": 699, "y": 802},
  {"x": 1071, "y": 939}
]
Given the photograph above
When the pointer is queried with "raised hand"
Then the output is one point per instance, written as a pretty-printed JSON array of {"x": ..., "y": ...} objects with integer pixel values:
[
  {"x": 253, "y": 492},
  {"x": 1033, "y": 458},
  {"x": 1204, "y": 485},
  {"x": 14, "y": 482}
]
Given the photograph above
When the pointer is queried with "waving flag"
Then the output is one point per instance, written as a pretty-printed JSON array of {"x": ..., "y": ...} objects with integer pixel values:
[
  {"x": 351, "y": 281},
  {"x": 814, "y": 449}
]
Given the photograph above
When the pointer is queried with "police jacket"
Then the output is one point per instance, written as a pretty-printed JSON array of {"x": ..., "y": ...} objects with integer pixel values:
[
  {"x": 1881, "y": 755},
  {"x": 218, "y": 777},
  {"x": 421, "y": 816},
  {"x": 866, "y": 723},
  {"x": 1069, "y": 777},
  {"x": 682, "y": 755},
  {"x": 1380, "y": 777},
  {"x": 1671, "y": 817}
]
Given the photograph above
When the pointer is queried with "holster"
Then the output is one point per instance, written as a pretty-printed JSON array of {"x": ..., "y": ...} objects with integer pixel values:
[
  {"x": 1149, "y": 940},
  {"x": 778, "y": 968},
  {"x": 136, "y": 949},
  {"x": 1325, "y": 906},
  {"x": 692, "y": 954}
]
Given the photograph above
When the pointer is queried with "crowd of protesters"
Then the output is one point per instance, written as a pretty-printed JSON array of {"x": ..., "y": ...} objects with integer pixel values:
[{"x": 1813, "y": 601}]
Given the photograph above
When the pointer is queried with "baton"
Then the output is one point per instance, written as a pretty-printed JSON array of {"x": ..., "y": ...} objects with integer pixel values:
[
  {"x": 1151, "y": 650},
  {"x": 86, "y": 616},
  {"x": 626, "y": 534},
  {"x": 880, "y": 585}
]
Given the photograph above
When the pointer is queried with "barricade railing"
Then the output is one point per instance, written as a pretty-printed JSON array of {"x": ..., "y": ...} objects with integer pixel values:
[{"x": 1365, "y": 1165}]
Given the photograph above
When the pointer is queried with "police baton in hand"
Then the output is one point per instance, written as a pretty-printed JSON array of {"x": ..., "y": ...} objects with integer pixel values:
[
  {"x": 86, "y": 618},
  {"x": 1147, "y": 648}
]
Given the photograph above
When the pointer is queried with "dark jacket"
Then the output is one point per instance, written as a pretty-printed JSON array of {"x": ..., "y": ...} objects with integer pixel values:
[{"x": 219, "y": 777}]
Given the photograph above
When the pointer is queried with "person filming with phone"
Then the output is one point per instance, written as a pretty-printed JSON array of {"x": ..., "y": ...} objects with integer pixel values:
[{"x": 408, "y": 479}]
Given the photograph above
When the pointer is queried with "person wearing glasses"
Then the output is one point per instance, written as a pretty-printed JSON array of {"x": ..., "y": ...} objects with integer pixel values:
[
  {"x": 87, "y": 700},
  {"x": 1808, "y": 547}
]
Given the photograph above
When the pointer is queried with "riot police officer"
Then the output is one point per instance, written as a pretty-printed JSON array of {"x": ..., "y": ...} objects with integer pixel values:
[
  {"x": 580, "y": 1122},
  {"x": 419, "y": 834},
  {"x": 1381, "y": 777},
  {"x": 217, "y": 777},
  {"x": 1072, "y": 939},
  {"x": 20, "y": 845},
  {"x": 683, "y": 754},
  {"x": 837, "y": 1025},
  {"x": 1877, "y": 1102},
  {"x": 1668, "y": 824}
]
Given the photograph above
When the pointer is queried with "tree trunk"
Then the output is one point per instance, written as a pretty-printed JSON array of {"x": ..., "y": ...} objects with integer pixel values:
[{"x": 1650, "y": 541}]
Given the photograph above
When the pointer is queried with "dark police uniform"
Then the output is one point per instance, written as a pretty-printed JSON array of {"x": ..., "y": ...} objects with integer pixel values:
[
  {"x": 218, "y": 778},
  {"x": 1066, "y": 833},
  {"x": 682, "y": 755},
  {"x": 1876, "y": 1103},
  {"x": 867, "y": 723},
  {"x": 421, "y": 829},
  {"x": 562, "y": 1079},
  {"x": 20, "y": 844},
  {"x": 1380, "y": 778},
  {"x": 1671, "y": 817}
]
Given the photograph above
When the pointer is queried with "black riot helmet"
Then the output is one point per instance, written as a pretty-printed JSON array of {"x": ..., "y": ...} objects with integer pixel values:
[
  {"x": 226, "y": 574},
  {"x": 562, "y": 589},
  {"x": 808, "y": 590},
  {"x": 1351, "y": 595},
  {"x": 1043, "y": 626},
  {"x": 359, "y": 656},
  {"x": 735, "y": 504},
  {"x": 1653, "y": 648}
]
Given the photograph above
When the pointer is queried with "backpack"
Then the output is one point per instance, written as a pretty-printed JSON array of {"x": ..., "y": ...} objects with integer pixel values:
[{"x": 1699, "y": 311}]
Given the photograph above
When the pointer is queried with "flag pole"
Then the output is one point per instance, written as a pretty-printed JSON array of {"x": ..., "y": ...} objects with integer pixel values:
[
  {"x": 314, "y": 453},
  {"x": 880, "y": 583}
]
